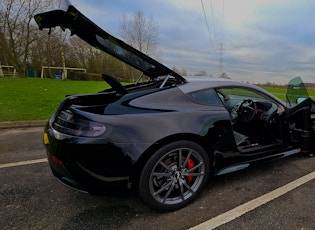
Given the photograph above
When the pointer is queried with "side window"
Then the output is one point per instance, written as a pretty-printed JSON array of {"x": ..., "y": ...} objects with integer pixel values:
[
  {"x": 208, "y": 97},
  {"x": 240, "y": 93},
  {"x": 232, "y": 97}
]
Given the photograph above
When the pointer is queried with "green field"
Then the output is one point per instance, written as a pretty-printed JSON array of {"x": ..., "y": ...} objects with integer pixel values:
[
  {"x": 278, "y": 92},
  {"x": 37, "y": 99}
]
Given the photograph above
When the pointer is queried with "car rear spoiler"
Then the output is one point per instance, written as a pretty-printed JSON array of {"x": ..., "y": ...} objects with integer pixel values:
[{"x": 78, "y": 24}]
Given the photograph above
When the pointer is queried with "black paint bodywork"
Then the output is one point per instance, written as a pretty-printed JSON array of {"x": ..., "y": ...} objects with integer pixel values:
[
  {"x": 141, "y": 123},
  {"x": 140, "y": 118}
]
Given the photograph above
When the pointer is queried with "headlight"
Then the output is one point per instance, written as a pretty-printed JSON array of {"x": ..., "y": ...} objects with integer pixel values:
[{"x": 73, "y": 124}]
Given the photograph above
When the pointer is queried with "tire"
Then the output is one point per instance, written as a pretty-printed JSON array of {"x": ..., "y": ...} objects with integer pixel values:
[{"x": 174, "y": 175}]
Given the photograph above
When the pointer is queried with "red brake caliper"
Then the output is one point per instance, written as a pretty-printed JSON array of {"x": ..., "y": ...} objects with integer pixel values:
[{"x": 190, "y": 164}]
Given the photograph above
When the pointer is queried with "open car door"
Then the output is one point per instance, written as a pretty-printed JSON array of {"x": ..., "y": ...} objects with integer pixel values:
[{"x": 300, "y": 116}]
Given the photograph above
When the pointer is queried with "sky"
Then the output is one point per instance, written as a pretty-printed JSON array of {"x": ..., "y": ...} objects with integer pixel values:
[{"x": 258, "y": 41}]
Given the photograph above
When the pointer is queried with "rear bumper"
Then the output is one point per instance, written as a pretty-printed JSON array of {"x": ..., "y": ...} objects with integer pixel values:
[
  {"x": 93, "y": 166},
  {"x": 62, "y": 174},
  {"x": 85, "y": 181}
]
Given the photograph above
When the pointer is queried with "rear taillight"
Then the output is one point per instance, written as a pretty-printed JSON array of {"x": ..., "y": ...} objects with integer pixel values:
[
  {"x": 55, "y": 159},
  {"x": 69, "y": 123}
]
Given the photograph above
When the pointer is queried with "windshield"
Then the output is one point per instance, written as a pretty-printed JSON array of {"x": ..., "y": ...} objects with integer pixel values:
[{"x": 296, "y": 92}]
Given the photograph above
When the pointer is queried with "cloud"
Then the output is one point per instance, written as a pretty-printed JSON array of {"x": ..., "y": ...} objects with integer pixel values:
[{"x": 263, "y": 40}]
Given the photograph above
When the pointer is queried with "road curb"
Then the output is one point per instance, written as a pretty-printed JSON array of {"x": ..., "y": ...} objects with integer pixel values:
[{"x": 22, "y": 124}]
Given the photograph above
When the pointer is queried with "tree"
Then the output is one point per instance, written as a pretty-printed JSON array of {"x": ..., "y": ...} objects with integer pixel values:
[
  {"x": 224, "y": 75},
  {"x": 25, "y": 47},
  {"x": 82, "y": 52},
  {"x": 201, "y": 73},
  {"x": 182, "y": 72},
  {"x": 17, "y": 30},
  {"x": 140, "y": 32}
]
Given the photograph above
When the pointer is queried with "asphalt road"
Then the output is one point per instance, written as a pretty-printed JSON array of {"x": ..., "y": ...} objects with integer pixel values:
[{"x": 31, "y": 198}]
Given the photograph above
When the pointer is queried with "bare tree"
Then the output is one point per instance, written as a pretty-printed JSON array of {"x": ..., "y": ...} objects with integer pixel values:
[
  {"x": 182, "y": 72},
  {"x": 82, "y": 52},
  {"x": 201, "y": 73},
  {"x": 50, "y": 49},
  {"x": 224, "y": 75},
  {"x": 140, "y": 32},
  {"x": 25, "y": 47},
  {"x": 17, "y": 29}
]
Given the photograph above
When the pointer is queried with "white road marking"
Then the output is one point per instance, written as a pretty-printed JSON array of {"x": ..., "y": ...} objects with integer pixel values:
[
  {"x": 251, "y": 205},
  {"x": 7, "y": 165}
]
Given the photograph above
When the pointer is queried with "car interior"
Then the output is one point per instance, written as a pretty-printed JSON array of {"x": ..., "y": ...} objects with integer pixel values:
[{"x": 255, "y": 119}]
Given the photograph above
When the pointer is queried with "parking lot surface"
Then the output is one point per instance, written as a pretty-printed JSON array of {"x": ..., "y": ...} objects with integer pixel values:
[{"x": 31, "y": 198}]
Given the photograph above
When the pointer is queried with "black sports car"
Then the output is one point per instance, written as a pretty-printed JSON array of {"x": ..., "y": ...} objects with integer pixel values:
[{"x": 165, "y": 137}]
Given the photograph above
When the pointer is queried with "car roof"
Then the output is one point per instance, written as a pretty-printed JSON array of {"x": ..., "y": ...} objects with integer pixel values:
[{"x": 195, "y": 83}]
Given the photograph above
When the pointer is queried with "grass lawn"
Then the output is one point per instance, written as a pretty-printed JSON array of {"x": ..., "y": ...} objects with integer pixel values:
[
  {"x": 278, "y": 92},
  {"x": 281, "y": 92},
  {"x": 37, "y": 99}
]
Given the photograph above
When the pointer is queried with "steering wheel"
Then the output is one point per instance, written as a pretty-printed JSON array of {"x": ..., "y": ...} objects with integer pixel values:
[{"x": 246, "y": 111}]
